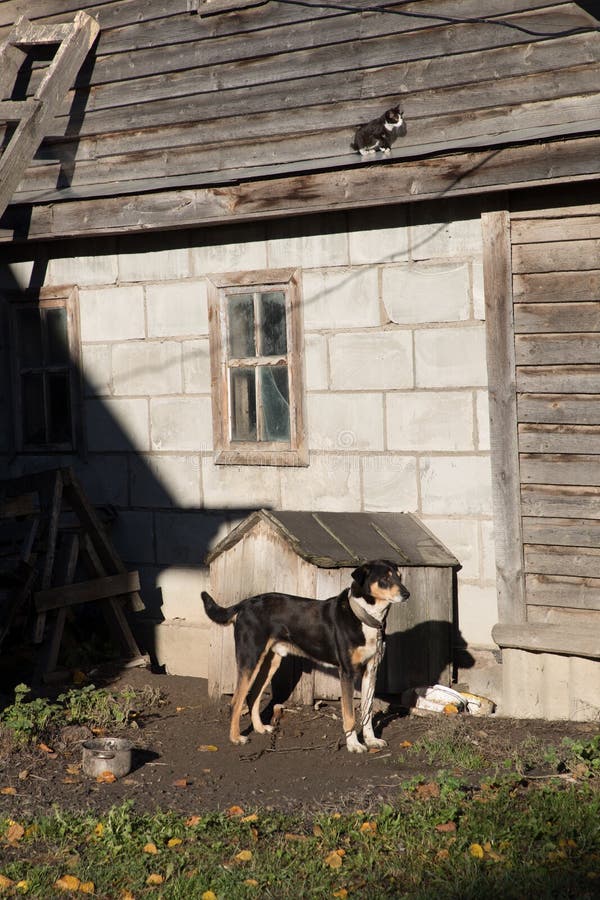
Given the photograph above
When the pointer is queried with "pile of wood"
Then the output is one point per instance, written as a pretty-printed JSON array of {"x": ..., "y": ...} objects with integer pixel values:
[{"x": 51, "y": 535}]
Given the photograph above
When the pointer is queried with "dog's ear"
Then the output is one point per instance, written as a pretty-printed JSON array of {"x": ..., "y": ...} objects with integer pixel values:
[{"x": 359, "y": 575}]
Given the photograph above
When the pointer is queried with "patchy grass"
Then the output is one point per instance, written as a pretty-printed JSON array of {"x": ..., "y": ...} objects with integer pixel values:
[
  {"x": 441, "y": 839},
  {"x": 34, "y": 718}
]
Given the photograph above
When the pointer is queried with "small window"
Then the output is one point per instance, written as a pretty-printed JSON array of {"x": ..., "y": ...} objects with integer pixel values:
[
  {"x": 256, "y": 356},
  {"x": 45, "y": 369}
]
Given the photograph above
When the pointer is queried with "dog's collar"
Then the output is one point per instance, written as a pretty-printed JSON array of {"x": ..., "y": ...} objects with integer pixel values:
[{"x": 364, "y": 616}]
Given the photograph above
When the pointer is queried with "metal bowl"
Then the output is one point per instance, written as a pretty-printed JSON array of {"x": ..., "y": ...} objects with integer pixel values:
[{"x": 108, "y": 754}]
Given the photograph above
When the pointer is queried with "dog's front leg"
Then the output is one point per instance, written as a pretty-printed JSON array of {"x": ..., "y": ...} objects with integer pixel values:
[
  {"x": 348, "y": 719},
  {"x": 367, "y": 693}
]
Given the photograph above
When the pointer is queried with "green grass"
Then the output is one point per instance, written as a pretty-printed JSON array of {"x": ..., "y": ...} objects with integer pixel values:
[{"x": 495, "y": 840}]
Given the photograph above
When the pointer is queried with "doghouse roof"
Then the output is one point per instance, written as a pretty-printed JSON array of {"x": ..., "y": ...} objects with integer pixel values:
[{"x": 338, "y": 539}]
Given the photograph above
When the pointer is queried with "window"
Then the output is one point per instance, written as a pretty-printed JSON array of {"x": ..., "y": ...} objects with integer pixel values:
[
  {"x": 256, "y": 359},
  {"x": 45, "y": 371}
]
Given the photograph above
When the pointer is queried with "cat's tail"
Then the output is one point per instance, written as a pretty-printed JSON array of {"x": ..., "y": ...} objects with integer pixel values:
[
  {"x": 353, "y": 144},
  {"x": 222, "y": 615}
]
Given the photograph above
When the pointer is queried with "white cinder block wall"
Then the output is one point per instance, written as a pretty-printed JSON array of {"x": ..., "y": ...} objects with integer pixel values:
[{"x": 395, "y": 382}]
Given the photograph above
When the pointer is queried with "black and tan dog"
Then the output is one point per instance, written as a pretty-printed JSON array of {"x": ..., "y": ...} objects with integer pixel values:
[{"x": 346, "y": 631}]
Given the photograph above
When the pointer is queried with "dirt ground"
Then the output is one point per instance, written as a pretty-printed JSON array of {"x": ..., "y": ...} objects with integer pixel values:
[{"x": 183, "y": 760}]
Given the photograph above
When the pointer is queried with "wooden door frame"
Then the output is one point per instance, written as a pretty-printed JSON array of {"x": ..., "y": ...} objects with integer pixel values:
[{"x": 506, "y": 489}]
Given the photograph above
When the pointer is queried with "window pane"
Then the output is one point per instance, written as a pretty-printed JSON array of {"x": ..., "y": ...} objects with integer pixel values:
[
  {"x": 32, "y": 388},
  {"x": 29, "y": 337},
  {"x": 240, "y": 309},
  {"x": 56, "y": 333},
  {"x": 272, "y": 324},
  {"x": 59, "y": 408},
  {"x": 243, "y": 405},
  {"x": 275, "y": 402}
]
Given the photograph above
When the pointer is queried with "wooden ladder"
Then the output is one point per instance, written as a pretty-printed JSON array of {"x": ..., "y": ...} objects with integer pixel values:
[{"x": 35, "y": 114}]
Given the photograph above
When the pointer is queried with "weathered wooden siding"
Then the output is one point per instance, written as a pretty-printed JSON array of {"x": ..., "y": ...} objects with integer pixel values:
[
  {"x": 278, "y": 88},
  {"x": 556, "y": 292}
]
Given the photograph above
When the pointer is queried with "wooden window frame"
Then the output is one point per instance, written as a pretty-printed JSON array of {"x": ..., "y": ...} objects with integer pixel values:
[
  {"x": 47, "y": 298},
  {"x": 256, "y": 453}
]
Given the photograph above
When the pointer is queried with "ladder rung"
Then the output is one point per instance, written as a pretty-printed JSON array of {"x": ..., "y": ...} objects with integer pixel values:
[
  {"x": 27, "y": 34},
  {"x": 15, "y": 110}
]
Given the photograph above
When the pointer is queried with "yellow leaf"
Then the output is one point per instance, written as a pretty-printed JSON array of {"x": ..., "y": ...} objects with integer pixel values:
[
  {"x": 180, "y": 708},
  {"x": 442, "y": 854},
  {"x": 5, "y": 882},
  {"x": 73, "y": 770},
  {"x": 14, "y": 832},
  {"x": 406, "y": 744},
  {"x": 368, "y": 827},
  {"x": 22, "y": 886},
  {"x": 67, "y": 883},
  {"x": 106, "y": 777},
  {"x": 31, "y": 830},
  {"x": 126, "y": 895},
  {"x": 251, "y": 882},
  {"x": 87, "y": 887},
  {"x": 193, "y": 820},
  {"x": 235, "y": 811},
  {"x": 207, "y": 748},
  {"x": 253, "y": 817},
  {"x": 333, "y": 859},
  {"x": 8, "y": 790},
  {"x": 289, "y": 836},
  {"x": 476, "y": 850},
  {"x": 150, "y": 848},
  {"x": 154, "y": 879},
  {"x": 244, "y": 856},
  {"x": 174, "y": 842},
  {"x": 342, "y": 893},
  {"x": 208, "y": 895},
  {"x": 99, "y": 829},
  {"x": 450, "y": 709}
]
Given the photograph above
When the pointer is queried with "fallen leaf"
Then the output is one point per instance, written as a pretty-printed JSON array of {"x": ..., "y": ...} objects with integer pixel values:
[
  {"x": 208, "y": 895},
  {"x": 253, "y": 817},
  {"x": 69, "y": 780},
  {"x": 406, "y": 744},
  {"x": 368, "y": 828},
  {"x": 442, "y": 854},
  {"x": 476, "y": 850},
  {"x": 24, "y": 775},
  {"x": 333, "y": 859},
  {"x": 251, "y": 882},
  {"x": 450, "y": 709},
  {"x": 106, "y": 778},
  {"x": 207, "y": 748},
  {"x": 98, "y": 729},
  {"x": 193, "y": 820},
  {"x": 22, "y": 886},
  {"x": 79, "y": 677},
  {"x": 8, "y": 790},
  {"x": 5, "y": 882},
  {"x": 446, "y": 827},
  {"x": 31, "y": 830},
  {"x": 180, "y": 708},
  {"x": 126, "y": 895},
  {"x": 174, "y": 842},
  {"x": 87, "y": 887},
  {"x": 428, "y": 791},
  {"x": 244, "y": 856},
  {"x": 342, "y": 893},
  {"x": 150, "y": 848},
  {"x": 317, "y": 831},
  {"x": 45, "y": 748},
  {"x": 99, "y": 829},
  {"x": 294, "y": 837},
  {"x": 14, "y": 832},
  {"x": 67, "y": 883},
  {"x": 235, "y": 811},
  {"x": 154, "y": 879},
  {"x": 73, "y": 770},
  {"x": 181, "y": 783}
]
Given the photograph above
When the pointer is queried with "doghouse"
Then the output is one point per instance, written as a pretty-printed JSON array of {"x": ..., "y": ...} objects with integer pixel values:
[{"x": 313, "y": 554}]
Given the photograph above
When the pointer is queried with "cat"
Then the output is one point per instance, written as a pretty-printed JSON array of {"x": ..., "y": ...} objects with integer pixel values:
[{"x": 380, "y": 133}]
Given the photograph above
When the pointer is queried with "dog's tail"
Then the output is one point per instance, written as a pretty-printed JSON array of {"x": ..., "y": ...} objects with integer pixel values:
[{"x": 222, "y": 615}]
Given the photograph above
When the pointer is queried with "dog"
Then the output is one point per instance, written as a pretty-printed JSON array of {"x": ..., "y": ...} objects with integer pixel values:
[{"x": 346, "y": 631}]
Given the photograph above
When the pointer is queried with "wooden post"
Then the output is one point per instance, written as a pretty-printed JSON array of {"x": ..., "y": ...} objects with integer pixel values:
[{"x": 506, "y": 489}]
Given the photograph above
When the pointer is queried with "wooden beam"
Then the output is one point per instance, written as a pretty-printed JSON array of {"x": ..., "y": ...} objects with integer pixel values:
[
  {"x": 543, "y": 638},
  {"x": 87, "y": 591},
  {"x": 497, "y": 275},
  {"x": 380, "y": 184}
]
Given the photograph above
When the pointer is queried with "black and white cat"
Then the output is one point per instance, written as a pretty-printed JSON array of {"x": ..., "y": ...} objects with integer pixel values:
[{"x": 380, "y": 133}]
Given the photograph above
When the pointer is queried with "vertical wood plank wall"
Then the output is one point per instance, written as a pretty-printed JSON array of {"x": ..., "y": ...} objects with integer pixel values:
[{"x": 555, "y": 312}]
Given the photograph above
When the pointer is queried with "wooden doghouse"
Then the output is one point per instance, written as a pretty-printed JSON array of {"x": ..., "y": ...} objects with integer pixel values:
[{"x": 312, "y": 554}]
